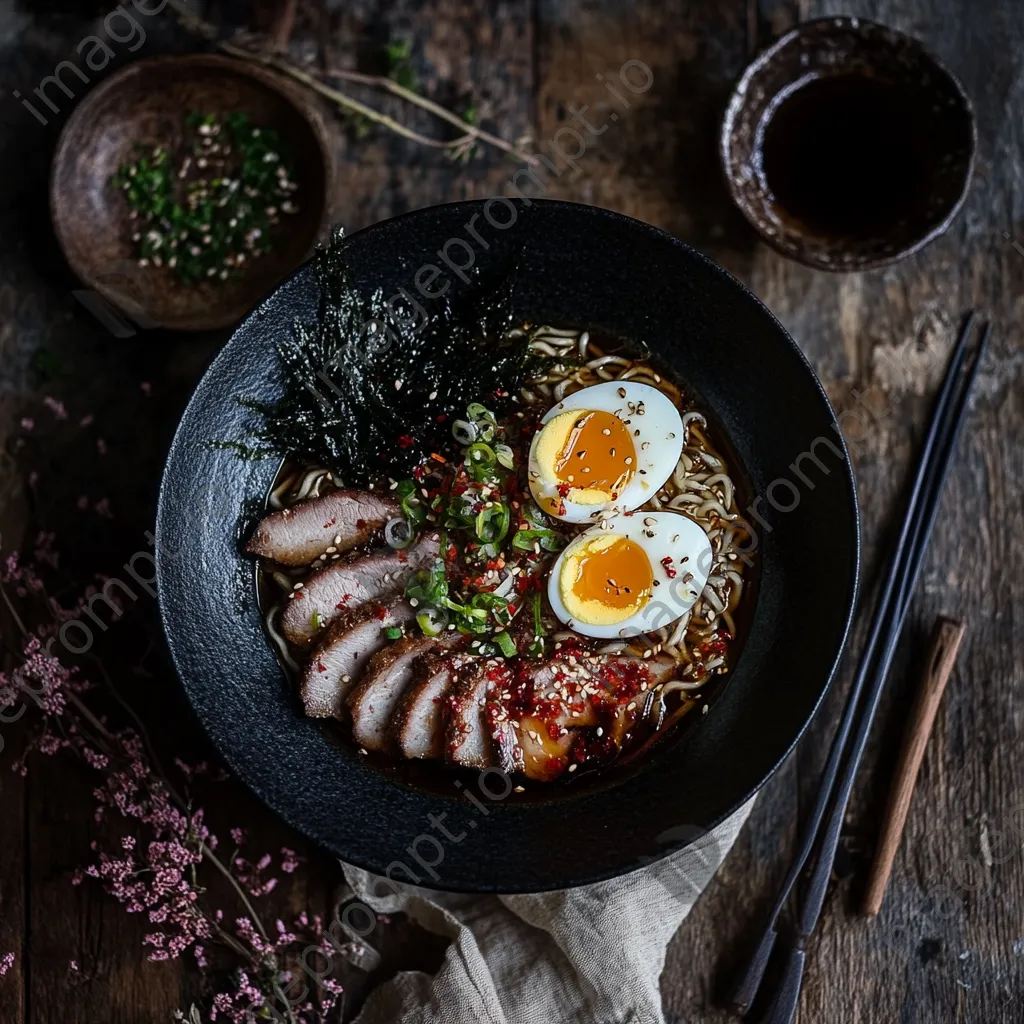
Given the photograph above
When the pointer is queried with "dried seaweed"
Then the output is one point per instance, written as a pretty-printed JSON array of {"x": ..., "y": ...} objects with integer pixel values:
[{"x": 371, "y": 389}]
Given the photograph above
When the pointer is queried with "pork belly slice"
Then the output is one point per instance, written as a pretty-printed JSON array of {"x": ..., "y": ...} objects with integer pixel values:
[
  {"x": 374, "y": 701},
  {"x": 468, "y": 737},
  {"x": 590, "y": 672},
  {"x": 420, "y": 718},
  {"x": 527, "y": 746},
  {"x": 333, "y": 523},
  {"x": 339, "y": 659},
  {"x": 351, "y": 583}
]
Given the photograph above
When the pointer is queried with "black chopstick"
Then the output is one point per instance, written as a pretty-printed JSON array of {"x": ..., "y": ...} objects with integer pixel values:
[
  {"x": 783, "y": 1009},
  {"x": 894, "y": 590}
]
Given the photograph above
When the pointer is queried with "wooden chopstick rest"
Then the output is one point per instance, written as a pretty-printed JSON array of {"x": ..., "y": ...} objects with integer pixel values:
[{"x": 944, "y": 646}]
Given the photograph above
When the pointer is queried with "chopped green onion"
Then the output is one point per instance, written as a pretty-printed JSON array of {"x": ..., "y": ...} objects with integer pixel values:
[
  {"x": 412, "y": 508},
  {"x": 432, "y": 622},
  {"x": 398, "y": 533},
  {"x": 505, "y": 643},
  {"x": 463, "y": 432},
  {"x": 483, "y": 421},
  {"x": 492, "y": 523},
  {"x": 505, "y": 456},
  {"x": 475, "y": 411},
  {"x": 393, "y": 632},
  {"x": 538, "y": 626},
  {"x": 524, "y": 540}
]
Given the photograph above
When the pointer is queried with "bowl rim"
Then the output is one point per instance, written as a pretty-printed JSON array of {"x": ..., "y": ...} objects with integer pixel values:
[
  {"x": 237, "y": 765},
  {"x": 737, "y": 99},
  {"x": 199, "y": 320}
]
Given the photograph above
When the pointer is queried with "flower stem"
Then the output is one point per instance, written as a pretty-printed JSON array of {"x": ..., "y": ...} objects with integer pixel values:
[{"x": 209, "y": 855}]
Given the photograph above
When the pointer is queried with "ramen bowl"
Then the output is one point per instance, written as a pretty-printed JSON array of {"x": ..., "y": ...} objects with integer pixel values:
[{"x": 575, "y": 265}]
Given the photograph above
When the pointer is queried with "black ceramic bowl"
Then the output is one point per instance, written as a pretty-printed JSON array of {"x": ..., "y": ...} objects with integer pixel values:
[
  {"x": 583, "y": 266},
  {"x": 879, "y": 149}
]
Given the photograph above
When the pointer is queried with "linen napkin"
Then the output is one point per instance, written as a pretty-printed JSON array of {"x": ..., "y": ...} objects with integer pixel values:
[{"x": 590, "y": 955}]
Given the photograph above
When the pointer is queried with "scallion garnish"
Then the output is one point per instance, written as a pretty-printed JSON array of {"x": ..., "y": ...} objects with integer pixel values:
[{"x": 505, "y": 643}]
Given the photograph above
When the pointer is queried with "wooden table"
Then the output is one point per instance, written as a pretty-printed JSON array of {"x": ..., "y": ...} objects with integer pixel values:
[{"x": 949, "y": 944}]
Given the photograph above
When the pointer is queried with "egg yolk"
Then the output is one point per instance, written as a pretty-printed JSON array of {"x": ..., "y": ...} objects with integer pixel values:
[
  {"x": 606, "y": 580},
  {"x": 589, "y": 452}
]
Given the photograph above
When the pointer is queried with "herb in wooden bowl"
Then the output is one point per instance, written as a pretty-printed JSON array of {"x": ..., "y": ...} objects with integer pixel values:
[{"x": 211, "y": 207}]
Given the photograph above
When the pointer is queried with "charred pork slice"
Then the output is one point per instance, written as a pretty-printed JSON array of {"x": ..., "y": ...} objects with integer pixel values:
[
  {"x": 467, "y": 738},
  {"x": 539, "y": 748},
  {"x": 350, "y": 584},
  {"x": 374, "y": 701},
  {"x": 339, "y": 659},
  {"x": 327, "y": 525},
  {"x": 420, "y": 721},
  {"x": 576, "y": 682}
]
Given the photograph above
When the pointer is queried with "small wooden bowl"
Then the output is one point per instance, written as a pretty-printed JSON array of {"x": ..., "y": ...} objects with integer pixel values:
[
  {"x": 147, "y": 103},
  {"x": 829, "y": 47}
]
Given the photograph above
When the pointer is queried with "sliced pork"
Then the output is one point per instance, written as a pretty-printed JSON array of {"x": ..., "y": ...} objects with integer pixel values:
[
  {"x": 420, "y": 719},
  {"x": 468, "y": 735},
  {"x": 582, "y": 684},
  {"x": 338, "y": 661},
  {"x": 321, "y": 527},
  {"x": 374, "y": 701},
  {"x": 351, "y": 583}
]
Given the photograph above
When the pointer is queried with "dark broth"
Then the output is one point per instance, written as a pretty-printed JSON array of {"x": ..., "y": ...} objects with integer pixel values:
[{"x": 847, "y": 154}]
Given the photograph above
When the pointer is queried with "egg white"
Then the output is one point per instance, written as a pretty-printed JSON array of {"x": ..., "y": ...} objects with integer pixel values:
[
  {"x": 662, "y": 535},
  {"x": 658, "y": 445}
]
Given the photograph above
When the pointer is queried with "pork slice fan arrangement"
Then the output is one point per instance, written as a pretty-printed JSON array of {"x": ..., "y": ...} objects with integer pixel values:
[{"x": 550, "y": 593}]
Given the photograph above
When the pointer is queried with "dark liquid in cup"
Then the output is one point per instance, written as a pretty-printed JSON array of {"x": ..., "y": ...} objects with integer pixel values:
[{"x": 847, "y": 155}]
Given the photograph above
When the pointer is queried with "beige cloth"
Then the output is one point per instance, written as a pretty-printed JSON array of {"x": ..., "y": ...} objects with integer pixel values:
[{"x": 591, "y": 955}]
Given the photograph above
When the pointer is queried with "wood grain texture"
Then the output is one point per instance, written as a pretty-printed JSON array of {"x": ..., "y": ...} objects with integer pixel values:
[{"x": 949, "y": 943}]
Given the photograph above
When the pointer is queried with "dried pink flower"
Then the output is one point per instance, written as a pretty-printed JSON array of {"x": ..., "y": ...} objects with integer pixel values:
[{"x": 56, "y": 407}]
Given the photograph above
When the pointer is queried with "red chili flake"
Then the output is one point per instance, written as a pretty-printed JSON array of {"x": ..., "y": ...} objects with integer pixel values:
[
  {"x": 321, "y": 667},
  {"x": 330, "y": 523},
  {"x": 344, "y": 601},
  {"x": 402, "y": 556},
  {"x": 555, "y": 765},
  {"x": 437, "y": 457},
  {"x": 380, "y": 613},
  {"x": 360, "y": 524},
  {"x": 442, "y": 417},
  {"x": 667, "y": 563},
  {"x": 299, "y": 595},
  {"x": 564, "y": 489},
  {"x": 405, "y": 441}
]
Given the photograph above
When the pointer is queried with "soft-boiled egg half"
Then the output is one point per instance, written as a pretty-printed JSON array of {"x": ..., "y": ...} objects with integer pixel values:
[
  {"x": 633, "y": 574},
  {"x": 610, "y": 446}
]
